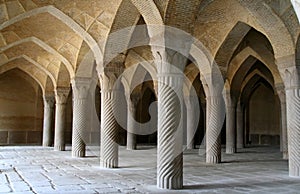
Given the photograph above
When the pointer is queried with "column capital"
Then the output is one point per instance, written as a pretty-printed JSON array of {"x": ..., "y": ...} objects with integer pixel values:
[
  {"x": 289, "y": 71},
  {"x": 171, "y": 79},
  {"x": 49, "y": 100},
  {"x": 81, "y": 87},
  {"x": 109, "y": 78},
  {"x": 61, "y": 95}
]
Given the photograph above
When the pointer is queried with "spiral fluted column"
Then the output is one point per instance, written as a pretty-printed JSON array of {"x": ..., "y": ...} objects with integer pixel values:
[
  {"x": 239, "y": 127},
  {"x": 131, "y": 116},
  {"x": 169, "y": 153},
  {"x": 293, "y": 118},
  {"x": 61, "y": 96},
  {"x": 291, "y": 77},
  {"x": 109, "y": 129},
  {"x": 81, "y": 117},
  {"x": 213, "y": 137},
  {"x": 48, "y": 118}
]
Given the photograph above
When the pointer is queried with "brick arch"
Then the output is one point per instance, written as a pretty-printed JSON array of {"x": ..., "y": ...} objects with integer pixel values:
[
  {"x": 29, "y": 72},
  {"x": 241, "y": 57},
  {"x": 44, "y": 46},
  {"x": 67, "y": 21},
  {"x": 37, "y": 65}
]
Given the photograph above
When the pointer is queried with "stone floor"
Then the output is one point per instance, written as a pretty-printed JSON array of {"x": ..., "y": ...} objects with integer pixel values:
[{"x": 41, "y": 170}]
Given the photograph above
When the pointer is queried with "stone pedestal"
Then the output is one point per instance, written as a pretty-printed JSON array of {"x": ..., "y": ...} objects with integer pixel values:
[
  {"x": 48, "y": 120},
  {"x": 61, "y": 96}
]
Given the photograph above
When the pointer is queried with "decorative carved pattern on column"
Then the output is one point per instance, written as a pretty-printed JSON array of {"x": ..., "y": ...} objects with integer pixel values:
[
  {"x": 48, "y": 118},
  {"x": 109, "y": 126},
  {"x": 169, "y": 153},
  {"x": 61, "y": 96},
  {"x": 213, "y": 137},
  {"x": 81, "y": 117},
  {"x": 109, "y": 132},
  {"x": 291, "y": 79}
]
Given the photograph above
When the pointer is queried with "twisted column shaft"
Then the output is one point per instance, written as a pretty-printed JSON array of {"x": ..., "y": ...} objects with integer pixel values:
[
  {"x": 81, "y": 117},
  {"x": 61, "y": 95},
  {"x": 239, "y": 127},
  {"x": 109, "y": 130},
  {"x": 48, "y": 118},
  {"x": 169, "y": 153},
  {"x": 293, "y": 125},
  {"x": 213, "y": 137}
]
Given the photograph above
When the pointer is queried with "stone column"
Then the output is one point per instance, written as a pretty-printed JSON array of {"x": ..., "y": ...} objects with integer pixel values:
[
  {"x": 169, "y": 151},
  {"x": 109, "y": 126},
  {"x": 239, "y": 126},
  {"x": 230, "y": 106},
  {"x": 192, "y": 120},
  {"x": 61, "y": 96},
  {"x": 292, "y": 90},
  {"x": 284, "y": 135},
  {"x": 205, "y": 110},
  {"x": 213, "y": 133},
  {"x": 109, "y": 129},
  {"x": 48, "y": 120},
  {"x": 293, "y": 118},
  {"x": 81, "y": 113},
  {"x": 131, "y": 122}
]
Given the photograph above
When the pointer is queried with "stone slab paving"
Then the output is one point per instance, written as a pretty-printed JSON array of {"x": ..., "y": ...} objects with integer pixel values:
[{"x": 34, "y": 169}]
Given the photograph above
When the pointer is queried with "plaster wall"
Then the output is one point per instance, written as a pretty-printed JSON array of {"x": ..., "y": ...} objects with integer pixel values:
[
  {"x": 264, "y": 122},
  {"x": 21, "y": 109}
]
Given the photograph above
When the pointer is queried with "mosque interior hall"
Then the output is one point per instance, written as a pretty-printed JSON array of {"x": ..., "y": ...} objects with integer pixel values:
[{"x": 149, "y": 96}]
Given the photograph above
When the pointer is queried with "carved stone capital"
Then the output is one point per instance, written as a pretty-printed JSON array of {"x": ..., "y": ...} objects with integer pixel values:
[
  {"x": 61, "y": 95},
  {"x": 81, "y": 87},
  {"x": 49, "y": 100}
]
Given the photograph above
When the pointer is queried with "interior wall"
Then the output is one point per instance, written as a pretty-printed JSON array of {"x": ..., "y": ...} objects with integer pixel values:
[
  {"x": 264, "y": 117},
  {"x": 21, "y": 105}
]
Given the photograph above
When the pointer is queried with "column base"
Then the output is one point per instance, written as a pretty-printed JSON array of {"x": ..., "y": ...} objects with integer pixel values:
[
  {"x": 131, "y": 147},
  {"x": 59, "y": 148},
  {"x": 213, "y": 159},
  {"x": 294, "y": 171},
  {"x": 239, "y": 146},
  {"x": 111, "y": 164},
  {"x": 47, "y": 144},
  {"x": 230, "y": 150},
  {"x": 78, "y": 154},
  {"x": 172, "y": 183}
]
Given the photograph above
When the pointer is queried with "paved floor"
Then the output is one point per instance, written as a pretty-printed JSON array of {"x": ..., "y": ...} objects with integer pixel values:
[{"x": 41, "y": 170}]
